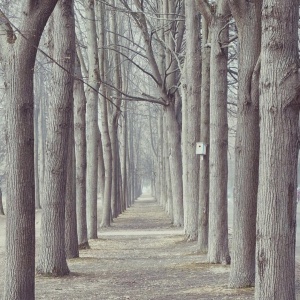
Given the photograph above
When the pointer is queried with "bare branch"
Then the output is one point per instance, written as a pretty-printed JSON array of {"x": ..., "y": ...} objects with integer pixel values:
[
  {"x": 6, "y": 27},
  {"x": 205, "y": 9}
]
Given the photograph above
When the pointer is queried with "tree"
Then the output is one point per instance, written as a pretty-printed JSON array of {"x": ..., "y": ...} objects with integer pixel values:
[
  {"x": 217, "y": 17},
  {"x": 80, "y": 155},
  {"x": 92, "y": 118},
  {"x": 1, "y": 204},
  {"x": 71, "y": 236},
  {"x": 248, "y": 20},
  {"x": 174, "y": 131},
  {"x": 107, "y": 149},
  {"x": 52, "y": 260},
  {"x": 114, "y": 110},
  {"x": 204, "y": 138},
  {"x": 191, "y": 102},
  {"x": 123, "y": 155},
  {"x": 279, "y": 117},
  {"x": 18, "y": 57}
]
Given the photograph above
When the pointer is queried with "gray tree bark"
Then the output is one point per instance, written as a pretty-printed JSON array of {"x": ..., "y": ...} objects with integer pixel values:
[
  {"x": 115, "y": 111},
  {"x": 18, "y": 57},
  {"x": 80, "y": 156},
  {"x": 92, "y": 120},
  {"x": 41, "y": 138},
  {"x": 204, "y": 138},
  {"x": 279, "y": 118},
  {"x": 52, "y": 260},
  {"x": 37, "y": 110},
  {"x": 101, "y": 171},
  {"x": 71, "y": 236},
  {"x": 248, "y": 20},
  {"x": 106, "y": 142},
  {"x": 175, "y": 164},
  {"x": 191, "y": 120},
  {"x": 217, "y": 18},
  {"x": 123, "y": 156},
  {"x": 1, "y": 204},
  {"x": 174, "y": 130}
]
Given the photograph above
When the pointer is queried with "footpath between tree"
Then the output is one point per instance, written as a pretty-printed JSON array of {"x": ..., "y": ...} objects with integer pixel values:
[{"x": 141, "y": 257}]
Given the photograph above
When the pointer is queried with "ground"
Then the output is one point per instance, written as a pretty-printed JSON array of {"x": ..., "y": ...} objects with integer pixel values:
[{"x": 140, "y": 257}]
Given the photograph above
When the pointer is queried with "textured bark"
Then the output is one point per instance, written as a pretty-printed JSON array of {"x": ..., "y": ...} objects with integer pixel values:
[
  {"x": 114, "y": 182},
  {"x": 131, "y": 168},
  {"x": 175, "y": 164},
  {"x": 166, "y": 184},
  {"x": 163, "y": 177},
  {"x": 19, "y": 280},
  {"x": 41, "y": 139},
  {"x": 101, "y": 169},
  {"x": 248, "y": 20},
  {"x": 1, "y": 204},
  {"x": 191, "y": 120},
  {"x": 204, "y": 138},
  {"x": 106, "y": 142},
  {"x": 123, "y": 154},
  {"x": 36, "y": 169},
  {"x": 218, "y": 224},
  {"x": 80, "y": 156},
  {"x": 279, "y": 117},
  {"x": 92, "y": 120},
  {"x": 19, "y": 58},
  {"x": 169, "y": 193},
  {"x": 41, "y": 96},
  {"x": 115, "y": 112},
  {"x": 52, "y": 260},
  {"x": 174, "y": 130},
  {"x": 71, "y": 236}
]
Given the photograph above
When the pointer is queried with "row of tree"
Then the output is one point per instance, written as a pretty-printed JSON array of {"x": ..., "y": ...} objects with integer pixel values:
[{"x": 76, "y": 135}]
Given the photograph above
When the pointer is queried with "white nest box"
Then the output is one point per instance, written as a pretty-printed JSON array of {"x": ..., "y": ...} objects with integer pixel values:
[{"x": 201, "y": 148}]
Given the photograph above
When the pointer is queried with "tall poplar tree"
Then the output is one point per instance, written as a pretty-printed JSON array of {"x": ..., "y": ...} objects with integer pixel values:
[
  {"x": 248, "y": 20},
  {"x": 217, "y": 17},
  {"x": 191, "y": 119},
  {"x": 92, "y": 119},
  {"x": 279, "y": 123},
  {"x": 18, "y": 53},
  {"x": 52, "y": 260}
]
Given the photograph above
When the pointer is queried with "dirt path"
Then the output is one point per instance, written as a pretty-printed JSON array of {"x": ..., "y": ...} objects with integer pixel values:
[{"x": 141, "y": 257}]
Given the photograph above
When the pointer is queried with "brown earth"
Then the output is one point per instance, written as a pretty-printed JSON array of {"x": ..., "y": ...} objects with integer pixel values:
[{"x": 141, "y": 256}]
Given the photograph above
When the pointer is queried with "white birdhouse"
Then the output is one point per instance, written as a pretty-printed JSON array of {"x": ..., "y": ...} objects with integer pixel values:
[{"x": 201, "y": 148}]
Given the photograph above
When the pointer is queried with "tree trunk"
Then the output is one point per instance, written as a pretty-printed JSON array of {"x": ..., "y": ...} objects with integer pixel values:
[
  {"x": 123, "y": 153},
  {"x": 279, "y": 117},
  {"x": 101, "y": 172},
  {"x": 19, "y": 58},
  {"x": 71, "y": 236},
  {"x": 191, "y": 120},
  {"x": 106, "y": 142},
  {"x": 204, "y": 138},
  {"x": 115, "y": 110},
  {"x": 80, "y": 157},
  {"x": 163, "y": 177},
  {"x": 41, "y": 140},
  {"x": 92, "y": 120},
  {"x": 131, "y": 168},
  {"x": 174, "y": 130},
  {"x": 52, "y": 259},
  {"x": 36, "y": 169},
  {"x": 242, "y": 271},
  {"x": 114, "y": 183},
  {"x": 218, "y": 225},
  {"x": 1, "y": 204},
  {"x": 175, "y": 164}
]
